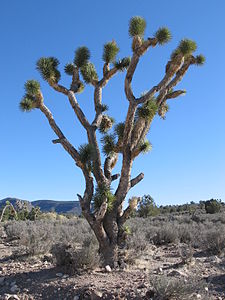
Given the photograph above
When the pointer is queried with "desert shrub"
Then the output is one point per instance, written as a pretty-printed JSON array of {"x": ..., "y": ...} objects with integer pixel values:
[
  {"x": 186, "y": 253},
  {"x": 73, "y": 258},
  {"x": 37, "y": 237},
  {"x": 165, "y": 235},
  {"x": 185, "y": 234},
  {"x": 165, "y": 288},
  {"x": 213, "y": 241},
  {"x": 212, "y": 206}
]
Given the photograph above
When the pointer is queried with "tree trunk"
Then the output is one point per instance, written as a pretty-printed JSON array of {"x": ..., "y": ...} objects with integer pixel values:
[{"x": 109, "y": 254}]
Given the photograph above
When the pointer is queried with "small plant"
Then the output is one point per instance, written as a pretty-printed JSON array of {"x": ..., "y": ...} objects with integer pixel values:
[
  {"x": 74, "y": 258},
  {"x": 165, "y": 235},
  {"x": 186, "y": 254},
  {"x": 165, "y": 288}
]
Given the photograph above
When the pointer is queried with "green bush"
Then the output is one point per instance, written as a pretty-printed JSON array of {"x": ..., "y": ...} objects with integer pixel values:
[
  {"x": 212, "y": 206},
  {"x": 147, "y": 207}
]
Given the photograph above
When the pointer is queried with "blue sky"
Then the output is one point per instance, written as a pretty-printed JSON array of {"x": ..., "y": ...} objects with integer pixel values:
[{"x": 187, "y": 161}]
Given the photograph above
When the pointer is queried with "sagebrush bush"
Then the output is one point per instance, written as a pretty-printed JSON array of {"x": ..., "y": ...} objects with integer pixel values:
[
  {"x": 166, "y": 288},
  {"x": 39, "y": 236},
  {"x": 72, "y": 257},
  {"x": 165, "y": 235}
]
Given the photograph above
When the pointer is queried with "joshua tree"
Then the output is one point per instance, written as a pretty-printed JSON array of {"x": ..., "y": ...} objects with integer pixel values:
[
  {"x": 103, "y": 208},
  {"x": 11, "y": 211}
]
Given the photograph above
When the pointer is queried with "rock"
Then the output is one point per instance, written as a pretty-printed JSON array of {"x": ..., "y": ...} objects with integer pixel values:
[
  {"x": 108, "y": 269},
  {"x": 11, "y": 297},
  {"x": 14, "y": 288},
  {"x": 59, "y": 274},
  {"x": 160, "y": 270},
  {"x": 214, "y": 259},
  {"x": 175, "y": 273},
  {"x": 91, "y": 294},
  {"x": 76, "y": 297},
  {"x": 2, "y": 279},
  {"x": 13, "y": 283}
]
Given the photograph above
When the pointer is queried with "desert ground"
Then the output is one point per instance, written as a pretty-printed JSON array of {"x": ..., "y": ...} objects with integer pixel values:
[{"x": 167, "y": 257}]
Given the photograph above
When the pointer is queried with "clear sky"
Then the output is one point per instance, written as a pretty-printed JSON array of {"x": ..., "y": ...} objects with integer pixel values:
[{"x": 187, "y": 162}]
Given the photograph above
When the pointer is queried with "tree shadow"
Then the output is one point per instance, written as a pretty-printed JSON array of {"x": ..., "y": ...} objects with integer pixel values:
[
  {"x": 41, "y": 284},
  {"x": 217, "y": 283}
]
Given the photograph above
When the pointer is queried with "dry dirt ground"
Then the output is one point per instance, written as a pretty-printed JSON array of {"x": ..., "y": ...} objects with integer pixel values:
[{"x": 36, "y": 278}]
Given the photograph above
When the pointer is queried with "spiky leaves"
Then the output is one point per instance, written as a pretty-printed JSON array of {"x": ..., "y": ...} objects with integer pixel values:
[
  {"x": 103, "y": 107},
  {"x": 187, "y": 47},
  {"x": 47, "y": 66},
  {"x": 29, "y": 101},
  {"x": 87, "y": 154},
  {"x": 108, "y": 142},
  {"x": 32, "y": 87},
  {"x": 103, "y": 193},
  {"x": 69, "y": 69},
  {"x": 119, "y": 130},
  {"x": 89, "y": 73},
  {"x": 137, "y": 26},
  {"x": 27, "y": 104},
  {"x": 145, "y": 146},
  {"x": 122, "y": 64},
  {"x": 82, "y": 55},
  {"x": 163, "y": 35},
  {"x": 147, "y": 110},
  {"x": 110, "y": 51},
  {"x": 200, "y": 60},
  {"x": 106, "y": 123}
]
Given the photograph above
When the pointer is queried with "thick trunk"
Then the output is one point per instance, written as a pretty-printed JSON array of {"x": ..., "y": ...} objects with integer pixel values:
[{"x": 109, "y": 254}]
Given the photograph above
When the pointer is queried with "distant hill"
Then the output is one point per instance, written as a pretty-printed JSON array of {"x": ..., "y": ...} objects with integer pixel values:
[{"x": 49, "y": 205}]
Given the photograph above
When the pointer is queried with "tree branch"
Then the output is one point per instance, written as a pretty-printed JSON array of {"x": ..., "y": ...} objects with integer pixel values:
[
  {"x": 62, "y": 139},
  {"x": 136, "y": 180},
  {"x": 78, "y": 111},
  {"x": 115, "y": 177},
  {"x": 59, "y": 88}
]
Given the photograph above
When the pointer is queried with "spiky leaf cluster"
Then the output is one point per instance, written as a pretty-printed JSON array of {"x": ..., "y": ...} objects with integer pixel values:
[
  {"x": 122, "y": 64},
  {"x": 87, "y": 153},
  {"x": 187, "y": 47},
  {"x": 119, "y": 129},
  {"x": 69, "y": 68},
  {"x": 145, "y": 146},
  {"x": 106, "y": 123},
  {"x": 89, "y": 73},
  {"x": 137, "y": 26},
  {"x": 200, "y": 60},
  {"x": 47, "y": 66},
  {"x": 174, "y": 54},
  {"x": 108, "y": 142},
  {"x": 82, "y": 55},
  {"x": 147, "y": 110},
  {"x": 27, "y": 104},
  {"x": 110, "y": 51},
  {"x": 103, "y": 107},
  {"x": 103, "y": 192},
  {"x": 163, "y": 35},
  {"x": 32, "y": 87}
]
